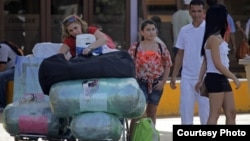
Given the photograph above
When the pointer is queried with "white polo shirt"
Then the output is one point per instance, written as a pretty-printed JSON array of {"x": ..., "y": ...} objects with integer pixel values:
[{"x": 190, "y": 40}]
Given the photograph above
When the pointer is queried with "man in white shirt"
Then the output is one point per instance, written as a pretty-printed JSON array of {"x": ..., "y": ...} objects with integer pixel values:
[{"x": 189, "y": 44}]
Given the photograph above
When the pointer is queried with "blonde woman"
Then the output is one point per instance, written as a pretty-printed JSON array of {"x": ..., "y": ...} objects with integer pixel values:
[{"x": 74, "y": 25}]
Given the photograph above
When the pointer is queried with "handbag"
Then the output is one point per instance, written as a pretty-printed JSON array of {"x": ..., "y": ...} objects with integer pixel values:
[
  {"x": 243, "y": 49},
  {"x": 145, "y": 131}
]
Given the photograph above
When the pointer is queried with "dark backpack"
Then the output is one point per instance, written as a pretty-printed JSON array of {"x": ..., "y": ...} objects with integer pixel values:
[
  {"x": 14, "y": 47},
  {"x": 137, "y": 45}
]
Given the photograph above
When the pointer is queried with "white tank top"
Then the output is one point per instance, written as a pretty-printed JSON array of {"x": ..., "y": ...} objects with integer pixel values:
[{"x": 224, "y": 50}]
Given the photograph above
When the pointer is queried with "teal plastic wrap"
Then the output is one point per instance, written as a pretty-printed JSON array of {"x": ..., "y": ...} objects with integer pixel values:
[
  {"x": 26, "y": 76},
  {"x": 32, "y": 115},
  {"x": 139, "y": 108},
  {"x": 120, "y": 96},
  {"x": 96, "y": 126}
]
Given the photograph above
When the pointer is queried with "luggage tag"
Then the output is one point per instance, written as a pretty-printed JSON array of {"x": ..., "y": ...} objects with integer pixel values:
[{"x": 89, "y": 88}]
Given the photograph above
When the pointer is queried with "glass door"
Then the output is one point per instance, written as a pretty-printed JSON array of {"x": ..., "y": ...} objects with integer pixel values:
[
  {"x": 59, "y": 10},
  {"x": 27, "y": 22},
  {"x": 110, "y": 16},
  {"x": 21, "y": 20}
]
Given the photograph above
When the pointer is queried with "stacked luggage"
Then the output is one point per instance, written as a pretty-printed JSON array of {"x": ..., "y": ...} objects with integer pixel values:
[
  {"x": 29, "y": 116},
  {"x": 32, "y": 116},
  {"x": 96, "y": 92}
]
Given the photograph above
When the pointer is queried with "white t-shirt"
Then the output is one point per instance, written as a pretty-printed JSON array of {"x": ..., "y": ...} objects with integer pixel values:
[
  {"x": 7, "y": 55},
  {"x": 190, "y": 40}
]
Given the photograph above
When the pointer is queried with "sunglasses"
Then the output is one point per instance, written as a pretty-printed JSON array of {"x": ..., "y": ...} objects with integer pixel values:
[{"x": 69, "y": 20}]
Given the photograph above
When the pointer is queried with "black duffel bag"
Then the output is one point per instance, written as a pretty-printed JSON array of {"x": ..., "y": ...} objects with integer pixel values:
[{"x": 56, "y": 68}]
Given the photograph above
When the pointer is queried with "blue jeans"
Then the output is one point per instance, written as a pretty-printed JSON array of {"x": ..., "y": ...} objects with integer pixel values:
[
  {"x": 5, "y": 76},
  {"x": 154, "y": 97}
]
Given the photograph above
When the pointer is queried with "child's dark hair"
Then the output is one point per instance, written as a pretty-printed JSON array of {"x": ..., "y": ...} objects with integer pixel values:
[
  {"x": 216, "y": 23},
  {"x": 145, "y": 23}
]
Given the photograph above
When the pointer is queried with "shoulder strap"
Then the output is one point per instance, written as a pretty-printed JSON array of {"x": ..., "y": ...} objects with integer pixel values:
[
  {"x": 159, "y": 45},
  {"x": 14, "y": 47},
  {"x": 137, "y": 45}
]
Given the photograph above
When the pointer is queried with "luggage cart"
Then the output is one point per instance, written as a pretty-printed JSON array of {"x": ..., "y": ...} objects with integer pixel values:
[
  {"x": 68, "y": 136},
  {"x": 125, "y": 130},
  {"x": 36, "y": 137}
]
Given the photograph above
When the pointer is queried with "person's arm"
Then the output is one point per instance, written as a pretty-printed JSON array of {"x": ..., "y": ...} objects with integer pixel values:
[
  {"x": 162, "y": 82},
  {"x": 167, "y": 63},
  {"x": 232, "y": 31},
  {"x": 177, "y": 66},
  {"x": 172, "y": 33},
  {"x": 64, "y": 49},
  {"x": 213, "y": 44},
  {"x": 201, "y": 75},
  {"x": 238, "y": 24},
  {"x": 3, "y": 58},
  {"x": 131, "y": 50},
  {"x": 166, "y": 73},
  {"x": 2, "y": 67},
  {"x": 247, "y": 28},
  {"x": 101, "y": 39}
]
